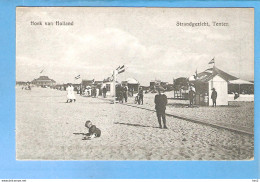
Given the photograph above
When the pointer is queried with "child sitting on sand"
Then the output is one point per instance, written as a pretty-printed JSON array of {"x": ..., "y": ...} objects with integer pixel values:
[{"x": 93, "y": 130}]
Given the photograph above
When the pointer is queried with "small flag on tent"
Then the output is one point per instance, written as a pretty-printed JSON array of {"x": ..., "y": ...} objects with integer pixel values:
[
  {"x": 212, "y": 61},
  {"x": 121, "y": 69},
  {"x": 77, "y": 77}
]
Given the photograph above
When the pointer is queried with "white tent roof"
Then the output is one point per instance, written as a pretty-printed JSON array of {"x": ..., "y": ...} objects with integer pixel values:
[
  {"x": 132, "y": 81},
  {"x": 240, "y": 81}
]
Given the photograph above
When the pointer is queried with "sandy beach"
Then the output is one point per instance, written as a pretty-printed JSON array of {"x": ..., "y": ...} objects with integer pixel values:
[{"x": 47, "y": 128}]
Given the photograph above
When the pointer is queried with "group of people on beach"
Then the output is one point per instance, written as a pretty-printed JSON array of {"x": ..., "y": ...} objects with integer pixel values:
[
  {"x": 140, "y": 97},
  {"x": 122, "y": 93},
  {"x": 160, "y": 101}
]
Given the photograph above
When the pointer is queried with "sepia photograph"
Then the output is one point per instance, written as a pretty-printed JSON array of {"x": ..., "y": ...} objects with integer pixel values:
[{"x": 130, "y": 83}]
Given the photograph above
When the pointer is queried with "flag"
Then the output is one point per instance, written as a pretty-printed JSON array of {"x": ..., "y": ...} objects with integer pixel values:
[
  {"x": 121, "y": 69},
  {"x": 77, "y": 77},
  {"x": 212, "y": 61},
  {"x": 111, "y": 78},
  {"x": 93, "y": 81}
]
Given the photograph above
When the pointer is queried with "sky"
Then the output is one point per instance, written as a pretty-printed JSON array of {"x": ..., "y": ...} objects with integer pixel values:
[{"x": 145, "y": 40}]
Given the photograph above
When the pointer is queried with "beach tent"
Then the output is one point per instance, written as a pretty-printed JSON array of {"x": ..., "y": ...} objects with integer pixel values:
[
  {"x": 207, "y": 80},
  {"x": 221, "y": 81}
]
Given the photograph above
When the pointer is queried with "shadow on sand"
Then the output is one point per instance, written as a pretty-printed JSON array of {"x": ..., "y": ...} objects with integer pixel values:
[
  {"x": 180, "y": 105},
  {"x": 138, "y": 125},
  {"x": 85, "y": 135}
]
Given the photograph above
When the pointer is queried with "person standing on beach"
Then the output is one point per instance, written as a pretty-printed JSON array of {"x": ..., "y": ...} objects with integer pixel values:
[
  {"x": 94, "y": 92},
  {"x": 160, "y": 101},
  {"x": 97, "y": 92},
  {"x": 191, "y": 96},
  {"x": 214, "y": 96},
  {"x": 125, "y": 93},
  {"x": 104, "y": 92},
  {"x": 121, "y": 95},
  {"x": 70, "y": 93},
  {"x": 132, "y": 92},
  {"x": 141, "y": 96}
]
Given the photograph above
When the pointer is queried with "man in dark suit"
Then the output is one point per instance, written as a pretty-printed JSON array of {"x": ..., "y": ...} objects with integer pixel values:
[
  {"x": 160, "y": 101},
  {"x": 214, "y": 96}
]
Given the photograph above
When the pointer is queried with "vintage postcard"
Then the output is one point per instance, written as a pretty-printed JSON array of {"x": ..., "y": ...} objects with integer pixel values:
[{"x": 124, "y": 83}]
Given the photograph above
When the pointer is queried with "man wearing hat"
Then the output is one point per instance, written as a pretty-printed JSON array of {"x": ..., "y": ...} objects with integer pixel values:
[
  {"x": 160, "y": 101},
  {"x": 214, "y": 96}
]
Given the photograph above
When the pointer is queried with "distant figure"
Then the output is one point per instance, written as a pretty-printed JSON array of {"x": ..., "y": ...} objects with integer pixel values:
[
  {"x": 191, "y": 96},
  {"x": 70, "y": 94},
  {"x": 136, "y": 99},
  {"x": 236, "y": 95},
  {"x": 93, "y": 130},
  {"x": 120, "y": 95},
  {"x": 86, "y": 92},
  {"x": 160, "y": 101},
  {"x": 214, "y": 96},
  {"x": 27, "y": 87},
  {"x": 141, "y": 96},
  {"x": 206, "y": 99},
  {"x": 97, "y": 92},
  {"x": 94, "y": 92},
  {"x": 125, "y": 93},
  {"x": 131, "y": 92},
  {"x": 104, "y": 92},
  {"x": 81, "y": 90},
  {"x": 89, "y": 92}
]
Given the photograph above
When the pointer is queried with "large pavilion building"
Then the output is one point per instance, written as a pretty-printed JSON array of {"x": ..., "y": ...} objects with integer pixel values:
[{"x": 43, "y": 81}]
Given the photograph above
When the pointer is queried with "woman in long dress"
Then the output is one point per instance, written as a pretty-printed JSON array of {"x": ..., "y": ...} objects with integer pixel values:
[{"x": 70, "y": 94}]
